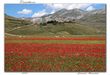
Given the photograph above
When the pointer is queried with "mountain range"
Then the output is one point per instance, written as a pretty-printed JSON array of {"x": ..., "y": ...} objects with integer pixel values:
[
  {"x": 67, "y": 22},
  {"x": 69, "y": 15}
]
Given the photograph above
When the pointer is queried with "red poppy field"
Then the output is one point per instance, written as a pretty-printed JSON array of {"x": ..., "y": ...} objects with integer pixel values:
[{"x": 78, "y": 54}]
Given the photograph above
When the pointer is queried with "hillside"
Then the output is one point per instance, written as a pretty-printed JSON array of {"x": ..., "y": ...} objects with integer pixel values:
[
  {"x": 95, "y": 19},
  {"x": 59, "y": 29},
  {"x": 12, "y": 23}
]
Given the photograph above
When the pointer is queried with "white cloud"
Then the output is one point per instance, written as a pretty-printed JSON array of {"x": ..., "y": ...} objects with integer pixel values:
[
  {"x": 25, "y": 11},
  {"x": 67, "y": 6},
  {"x": 90, "y": 8},
  {"x": 52, "y": 12},
  {"x": 56, "y": 6},
  {"x": 79, "y": 6},
  {"x": 40, "y": 13}
]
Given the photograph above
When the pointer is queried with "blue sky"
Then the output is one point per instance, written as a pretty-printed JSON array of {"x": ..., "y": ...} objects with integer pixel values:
[{"x": 37, "y": 10}]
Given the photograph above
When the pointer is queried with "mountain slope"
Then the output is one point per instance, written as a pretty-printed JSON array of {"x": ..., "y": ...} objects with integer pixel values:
[
  {"x": 12, "y": 22},
  {"x": 65, "y": 15},
  {"x": 95, "y": 19},
  {"x": 59, "y": 29}
]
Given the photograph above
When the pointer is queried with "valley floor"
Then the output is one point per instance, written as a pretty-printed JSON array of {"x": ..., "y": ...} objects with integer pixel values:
[{"x": 55, "y": 54}]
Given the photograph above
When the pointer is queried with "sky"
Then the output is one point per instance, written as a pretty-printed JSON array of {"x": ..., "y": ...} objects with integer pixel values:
[{"x": 37, "y": 10}]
